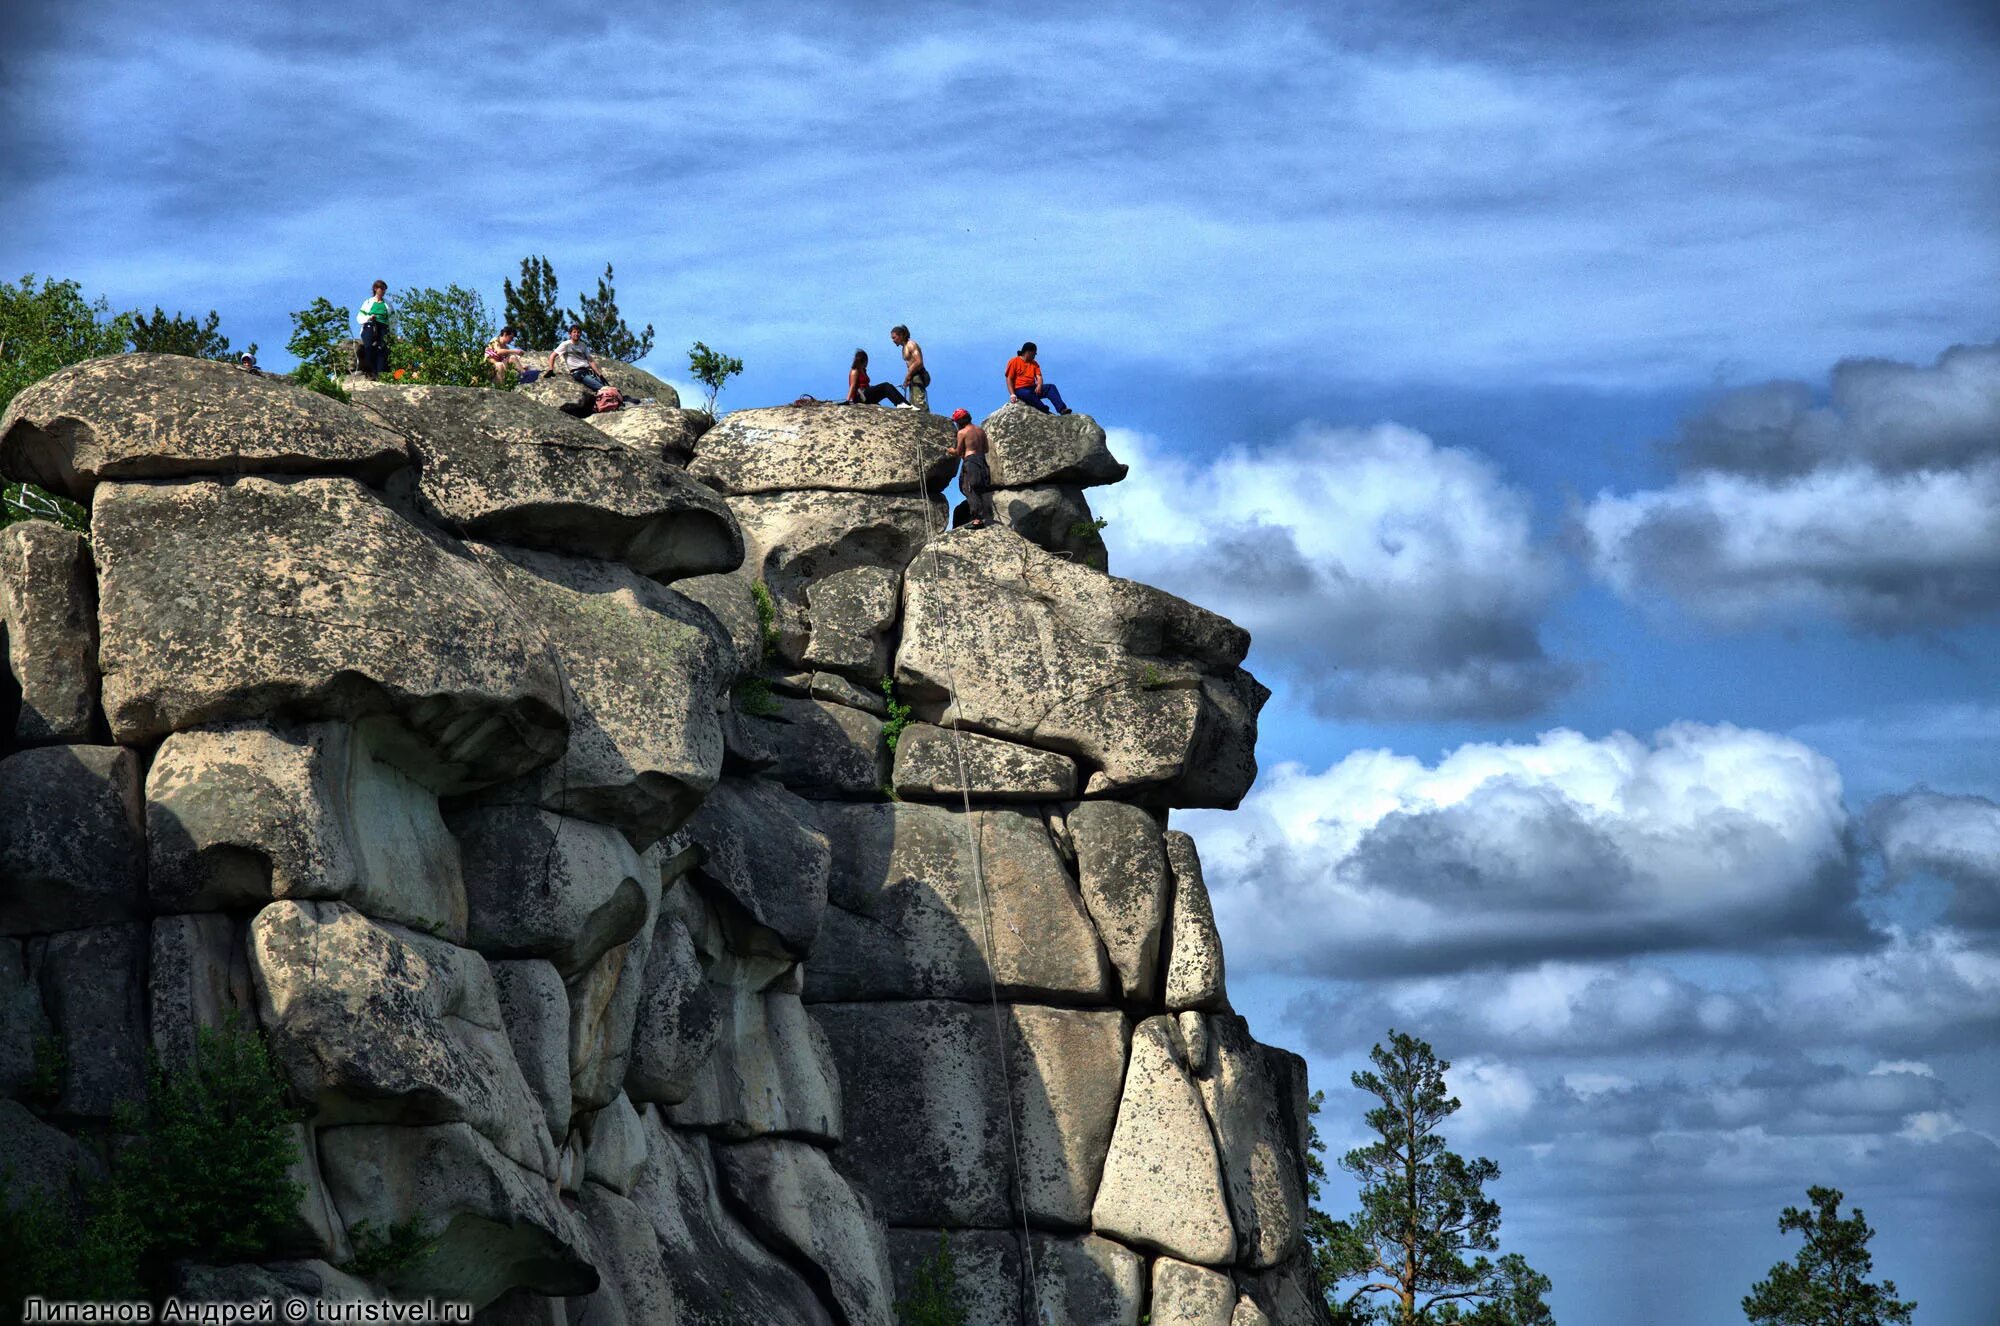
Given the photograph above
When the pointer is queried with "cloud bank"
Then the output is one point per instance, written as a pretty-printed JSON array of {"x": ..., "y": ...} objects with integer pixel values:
[
  {"x": 1384, "y": 575},
  {"x": 1879, "y": 509},
  {"x": 1704, "y": 837}
]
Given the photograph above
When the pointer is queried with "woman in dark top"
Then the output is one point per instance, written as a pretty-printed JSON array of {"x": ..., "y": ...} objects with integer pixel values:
[{"x": 860, "y": 393}]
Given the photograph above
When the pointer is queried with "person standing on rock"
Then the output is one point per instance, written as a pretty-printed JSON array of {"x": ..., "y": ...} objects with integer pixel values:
[
  {"x": 574, "y": 357},
  {"x": 916, "y": 378},
  {"x": 1024, "y": 381},
  {"x": 860, "y": 393},
  {"x": 975, "y": 480},
  {"x": 374, "y": 314}
]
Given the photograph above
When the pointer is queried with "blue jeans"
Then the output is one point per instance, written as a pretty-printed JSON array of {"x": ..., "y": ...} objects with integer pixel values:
[
  {"x": 1031, "y": 397},
  {"x": 588, "y": 378}
]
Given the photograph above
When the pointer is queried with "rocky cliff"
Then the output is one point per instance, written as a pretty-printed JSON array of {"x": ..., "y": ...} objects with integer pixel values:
[{"x": 422, "y": 733}]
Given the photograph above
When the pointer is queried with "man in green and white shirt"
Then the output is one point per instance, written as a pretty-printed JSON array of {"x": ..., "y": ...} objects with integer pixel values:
[{"x": 374, "y": 314}]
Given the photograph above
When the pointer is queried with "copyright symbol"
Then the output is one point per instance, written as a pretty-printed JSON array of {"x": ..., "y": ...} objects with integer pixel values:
[{"x": 297, "y": 1309}]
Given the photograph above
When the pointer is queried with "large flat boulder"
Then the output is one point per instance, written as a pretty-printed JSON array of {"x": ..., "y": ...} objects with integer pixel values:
[
  {"x": 245, "y": 813},
  {"x": 1163, "y": 1187},
  {"x": 906, "y": 921},
  {"x": 494, "y": 465},
  {"x": 378, "y": 1024},
  {"x": 792, "y": 1197},
  {"x": 936, "y": 764},
  {"x": 647, "y": 671},
  {"x": 926, "y": 1102},
  {"x": 722, "y": 1274},
  {"x": 851, "y": 449},
  {"x": 498, "y": 1225},
  {"x": 155, "y": 416},
  {"x": 665, "y": 430},
  {"x": 312, "y": 599},
  {"x": 1029, "y": 447},
  {"x": 72, "y": 839},
  {"x": 1052, "y": 516},
  {"x": 48, "y": 634},
  {"x": 1121, "y": 868},
  {"x": 1142, "y": 687}
]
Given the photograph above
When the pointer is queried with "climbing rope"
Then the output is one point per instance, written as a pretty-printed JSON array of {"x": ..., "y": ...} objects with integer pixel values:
[{"x": 931, "y": 537}]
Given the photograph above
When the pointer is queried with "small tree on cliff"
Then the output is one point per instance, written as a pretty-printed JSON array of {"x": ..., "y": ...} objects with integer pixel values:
[
  {"x": 1424, "y": 1208},
  {"x": 604, "y": 327},
  {"x": 1828, "y": 1284},
  {"x": 531, "y": 307},
  {"x": 712, "y": 368}
]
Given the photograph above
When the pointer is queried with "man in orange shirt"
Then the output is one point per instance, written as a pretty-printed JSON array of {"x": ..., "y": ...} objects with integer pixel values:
[{"x": 1024, "y": 380}]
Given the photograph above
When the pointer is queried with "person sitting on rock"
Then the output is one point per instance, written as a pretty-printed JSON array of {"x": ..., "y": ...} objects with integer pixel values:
[
  {"x": 502, "y": 354},
  {"x": 374, "y": 314},
  {"x": 860, "y": 393},
  {"x": 975, "y": 480},
  {"x": 1024, "y": 380},
  {"x": 916, "y": 377},
  {"x": 573, "y": 357}
]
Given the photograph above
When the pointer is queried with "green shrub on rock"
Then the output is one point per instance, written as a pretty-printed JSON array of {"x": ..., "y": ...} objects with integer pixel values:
[
  {"x": 933, "y": 1297},
  {"x": 203, "y": 1171}
]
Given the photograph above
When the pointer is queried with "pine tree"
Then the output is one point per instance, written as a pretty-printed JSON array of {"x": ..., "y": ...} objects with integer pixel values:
[
  {"x": 180, "y": 334},
  {"x": 604, "y": 328},
  {"x": 532, "y": 310},
  {"x": 1828, "y": 1284},
  {"x": 1424, "y": 1208}
]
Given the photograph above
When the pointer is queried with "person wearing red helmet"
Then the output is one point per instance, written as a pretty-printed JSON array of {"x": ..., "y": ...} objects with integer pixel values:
[{"x": 975, "y": 481}]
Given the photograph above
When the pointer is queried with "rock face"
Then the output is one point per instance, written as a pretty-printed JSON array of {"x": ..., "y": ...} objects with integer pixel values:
[
  {"x": 48, "y": 628},
  {"x": 495, "y": 465},
  {"x": 257, "y": 599},
  {"x": 596, "y": 922},
  {"x": 149, "y": 416},
  {"x": 1142, "y": 687}
]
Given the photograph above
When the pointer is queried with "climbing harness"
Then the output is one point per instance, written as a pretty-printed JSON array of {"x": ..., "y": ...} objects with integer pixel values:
[{"x": 931, "y": 536}]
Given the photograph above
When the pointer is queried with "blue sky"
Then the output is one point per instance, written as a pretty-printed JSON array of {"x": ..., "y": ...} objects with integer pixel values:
[{"x": 1635, "y": 726}]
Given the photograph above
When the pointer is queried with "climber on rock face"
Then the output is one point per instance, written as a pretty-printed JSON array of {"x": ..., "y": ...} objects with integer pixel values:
[
  {"x": 974, "y": 479},
  {"x": 860, "y": 393},
  {"x": 1024, "y": 380},
  {"x": 576, "y": 361},
  {"x": 916, "y": 377}
]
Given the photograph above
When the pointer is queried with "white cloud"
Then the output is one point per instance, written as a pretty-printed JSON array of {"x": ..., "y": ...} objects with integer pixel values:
[
  {"x": 1956, "y": 838},
  {"x": 1704, "y": 837},
  {"x": 1881, "y": 510},
  {"x": 1931, "y": 991},
  {"x": 1388, "y": 576}
]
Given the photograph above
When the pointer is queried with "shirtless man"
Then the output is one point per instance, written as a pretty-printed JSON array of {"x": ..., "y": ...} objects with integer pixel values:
[
  {"x": 916, "y": 378},
  {"x": 975, "y": 481}
]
